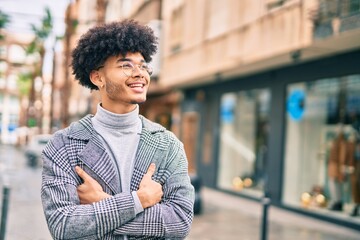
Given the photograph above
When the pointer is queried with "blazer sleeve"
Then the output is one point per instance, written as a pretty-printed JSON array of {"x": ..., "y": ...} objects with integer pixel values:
[
  {"x": 172, "y": 217},
  {"x": 66, "y": 218}
]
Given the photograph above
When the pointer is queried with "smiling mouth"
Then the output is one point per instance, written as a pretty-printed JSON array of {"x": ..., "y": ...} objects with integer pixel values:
[{"x": 134, "y": 85}]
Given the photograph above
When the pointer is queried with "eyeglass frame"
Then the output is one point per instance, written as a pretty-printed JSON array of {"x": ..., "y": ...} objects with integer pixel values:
[{"x": 148, "y": 69}]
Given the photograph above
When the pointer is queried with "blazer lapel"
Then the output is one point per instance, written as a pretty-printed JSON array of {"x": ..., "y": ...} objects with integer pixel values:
[
  {"x": 102, "y": 167},
  {"x": 98, "y": 163},
  {"x": 150, "y": 149}
]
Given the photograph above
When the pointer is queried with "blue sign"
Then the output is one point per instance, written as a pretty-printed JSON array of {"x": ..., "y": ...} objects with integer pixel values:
[
  {"x": 227, "y": 110},
  {"x": 296, "y": 105},
  {"x": 12, "y": 127}
]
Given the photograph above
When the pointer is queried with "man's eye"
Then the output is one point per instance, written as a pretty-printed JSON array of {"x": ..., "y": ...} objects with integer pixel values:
[
  {"x": 143, "y": 67},
  {"x": 127, "y": 65}
]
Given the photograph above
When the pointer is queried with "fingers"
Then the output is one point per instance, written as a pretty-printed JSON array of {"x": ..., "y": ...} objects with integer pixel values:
[
  {"x": 84, "y": 176},
  {"x": 151, "y": 169}
]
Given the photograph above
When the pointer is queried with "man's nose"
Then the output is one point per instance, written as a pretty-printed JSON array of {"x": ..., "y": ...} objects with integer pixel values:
[{"x": 137, "y": 72}]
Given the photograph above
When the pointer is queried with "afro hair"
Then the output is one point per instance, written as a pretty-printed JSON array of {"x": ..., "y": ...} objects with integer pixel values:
[{"x": 112, "y": 39}]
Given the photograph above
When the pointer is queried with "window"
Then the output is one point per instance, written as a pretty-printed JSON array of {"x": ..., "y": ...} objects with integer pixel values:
[
  {"x": 218, "y": 14},
  {"x": 322, "y": 148},
  {"x": 176, "y": 31},
  {"x": 243, "y": 141}
]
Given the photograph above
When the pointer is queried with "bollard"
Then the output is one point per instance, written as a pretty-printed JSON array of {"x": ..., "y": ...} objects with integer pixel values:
[
  {"x": 264, "y": 222},
  {"x": 5, "y": 205}
]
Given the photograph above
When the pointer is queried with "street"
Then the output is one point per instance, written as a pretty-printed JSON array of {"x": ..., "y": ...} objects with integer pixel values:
[
  {"x": 224, "y": 216},
  {"x": 25, "y": 216},
  {"x": 231, "y": 217}
]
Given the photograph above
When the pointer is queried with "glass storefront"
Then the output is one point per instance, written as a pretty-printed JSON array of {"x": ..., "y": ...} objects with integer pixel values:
[
  {"x": 322, "y": 146},
  {"x": 244, "y": 118}
]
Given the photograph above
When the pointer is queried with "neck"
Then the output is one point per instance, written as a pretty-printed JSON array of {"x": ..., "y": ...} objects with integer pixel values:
[
  {"x": 118, "y": 108},
  {"x": 107, "y": 119}
]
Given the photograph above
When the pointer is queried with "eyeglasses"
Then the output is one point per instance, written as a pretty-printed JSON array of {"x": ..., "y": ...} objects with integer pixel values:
[{"x": 128, "y": 68}]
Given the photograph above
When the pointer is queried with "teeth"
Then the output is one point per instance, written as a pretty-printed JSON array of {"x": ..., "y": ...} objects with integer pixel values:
[{"x": 136, "y": 85}]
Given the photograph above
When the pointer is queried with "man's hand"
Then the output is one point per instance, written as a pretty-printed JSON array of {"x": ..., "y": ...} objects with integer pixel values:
[
  {"x": 150, "y": 192},
  {"x": 90, "y": 191}
]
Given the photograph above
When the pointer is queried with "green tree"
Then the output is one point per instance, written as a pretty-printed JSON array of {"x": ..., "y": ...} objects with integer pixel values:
[
  {"x": 24, "y": 83},
  {"x": 24, "y": 80},
  {"x": 41, "y": 33},
  {"x": 4, "y": 21}
]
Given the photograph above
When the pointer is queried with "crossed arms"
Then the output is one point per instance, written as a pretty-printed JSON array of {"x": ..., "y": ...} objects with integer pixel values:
[
  {"x": 76, "y": 210},
  {"x": 149, "y": 193}
]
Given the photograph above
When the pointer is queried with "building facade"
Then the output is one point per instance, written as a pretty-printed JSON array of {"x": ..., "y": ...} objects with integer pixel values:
[
  {"x": 15, "y": 70},
  {"x": 75, "y": 100},
  {"x": 162, "y": 104},
  {"x": 270, "y": 99},
  {"x": 264, "y": 94}
]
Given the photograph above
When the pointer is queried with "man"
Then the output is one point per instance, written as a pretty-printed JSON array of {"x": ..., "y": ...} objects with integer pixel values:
[{"x": 116, "y": 175}]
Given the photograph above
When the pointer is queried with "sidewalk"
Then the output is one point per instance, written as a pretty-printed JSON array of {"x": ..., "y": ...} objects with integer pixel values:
[
  {"x": 231, "y": 217},
  {"x": 25, "y": 219},
  {"x": 224, "y": 217}
]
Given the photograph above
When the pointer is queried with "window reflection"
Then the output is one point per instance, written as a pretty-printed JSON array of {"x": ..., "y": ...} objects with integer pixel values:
[
  {"x": 322, "y": 154},
  {"x": 243, "y": 141}
]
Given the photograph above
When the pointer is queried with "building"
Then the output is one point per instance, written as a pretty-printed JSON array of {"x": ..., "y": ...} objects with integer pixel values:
[
  {"x": 162, "y": 104},
  {"x": 265, "y": 95},
  {"x": 76, "y": 101},
  {"x": 15, "y": 67},
  {"x": 271, "y": 99}
]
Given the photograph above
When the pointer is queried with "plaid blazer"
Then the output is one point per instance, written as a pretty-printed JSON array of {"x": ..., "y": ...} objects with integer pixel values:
[{"x": 108, "y": 219}]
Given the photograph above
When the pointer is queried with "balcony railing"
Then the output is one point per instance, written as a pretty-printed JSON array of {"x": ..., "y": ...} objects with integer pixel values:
[{"x": 336, "y": 16}]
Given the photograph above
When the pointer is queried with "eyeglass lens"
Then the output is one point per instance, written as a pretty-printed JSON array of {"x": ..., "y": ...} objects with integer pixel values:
[{"x": 128, "y": 68}]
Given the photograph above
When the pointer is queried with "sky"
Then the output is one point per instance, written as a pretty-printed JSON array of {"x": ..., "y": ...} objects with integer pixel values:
[{"x": 25, "y": 12}]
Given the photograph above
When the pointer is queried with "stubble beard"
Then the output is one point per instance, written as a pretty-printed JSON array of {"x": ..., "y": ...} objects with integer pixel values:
[
  {"x": 113, "y": 91},
  {"x": 137, "y": 102}
]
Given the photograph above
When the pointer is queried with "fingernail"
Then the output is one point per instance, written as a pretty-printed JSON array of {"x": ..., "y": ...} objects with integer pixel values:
[{"x": 77, "y": 168}]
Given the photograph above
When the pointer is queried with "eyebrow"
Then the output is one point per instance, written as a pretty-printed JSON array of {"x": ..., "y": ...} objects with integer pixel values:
[{"x": 127, "y": 60}]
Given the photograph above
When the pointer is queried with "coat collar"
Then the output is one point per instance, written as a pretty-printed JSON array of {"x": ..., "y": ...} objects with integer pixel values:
[
  {"x": 94, "y": 154},
  {"x": 84, "y": 130}
]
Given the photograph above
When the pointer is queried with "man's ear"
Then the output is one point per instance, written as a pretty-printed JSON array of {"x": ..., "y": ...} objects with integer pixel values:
[{"x": 96, "y": 79}]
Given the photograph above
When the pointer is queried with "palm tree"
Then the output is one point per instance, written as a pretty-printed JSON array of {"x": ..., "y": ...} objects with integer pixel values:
[
  {"x": 24, "y": 80},
  {"x": 71, "y": 31},
  {"x": 41, "y": 33},
  {"x": 101, "y": 10},
  {"x": 4, "y": 21}
]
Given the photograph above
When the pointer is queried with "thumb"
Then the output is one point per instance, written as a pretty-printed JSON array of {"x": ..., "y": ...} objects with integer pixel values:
[
  {"x": 84, "y": 176},
  {"x": 151, "y": 169}
]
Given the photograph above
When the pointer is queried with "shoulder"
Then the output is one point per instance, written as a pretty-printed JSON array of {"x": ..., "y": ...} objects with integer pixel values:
[
  {"x": 80, "y": 130},
  {"x": 151, "y": 126},
  {"x": 155, "y": 128},
  {"x": 158, "y": 131}
]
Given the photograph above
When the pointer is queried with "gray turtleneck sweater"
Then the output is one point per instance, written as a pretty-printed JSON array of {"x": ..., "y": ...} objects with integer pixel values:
[{"x": 121, "y": 135}]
